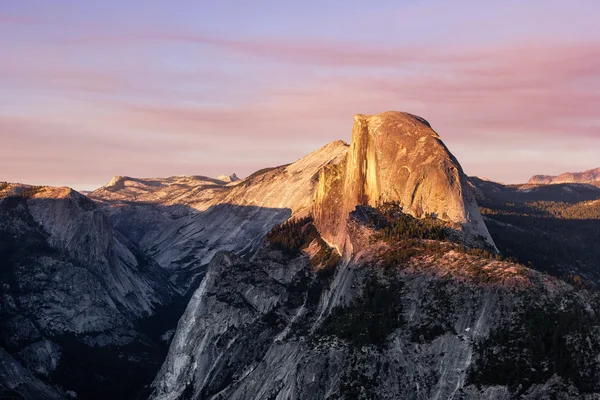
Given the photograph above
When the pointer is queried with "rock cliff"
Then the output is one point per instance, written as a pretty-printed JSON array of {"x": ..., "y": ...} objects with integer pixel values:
[
  {"x": 415, "y": 307},
  {"x": 396, "y": 157},
  {"x": 72, "y": 293},
  {"x": 183, "y": 221},
  {"x": 451, "y": 325}
]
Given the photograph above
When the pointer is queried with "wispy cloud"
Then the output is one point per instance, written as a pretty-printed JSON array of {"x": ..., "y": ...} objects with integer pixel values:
[
  {"x": 161, "y": 95},
  {"x": 541, "y": 89}
]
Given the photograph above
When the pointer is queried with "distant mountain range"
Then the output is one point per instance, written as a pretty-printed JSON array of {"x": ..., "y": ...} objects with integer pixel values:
[{"x": 591, "y": 177}]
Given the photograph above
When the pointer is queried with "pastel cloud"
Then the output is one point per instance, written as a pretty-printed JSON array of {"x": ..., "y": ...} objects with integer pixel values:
[
  {"x": 164, "y": 100},
  {"x": 544, "y": 90}
]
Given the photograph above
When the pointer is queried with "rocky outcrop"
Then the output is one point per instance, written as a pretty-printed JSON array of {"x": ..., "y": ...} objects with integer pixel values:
[
  {"x": 591, "y": 177},
  {"x": 276, "y": 328},
  {"x": 17, "y": 382},
  {"x": 228, "y": 178},
  {"x": 72, "y": 287},
  {"x": 183, "y": 222},
  {"x": 396, "y": 157}
]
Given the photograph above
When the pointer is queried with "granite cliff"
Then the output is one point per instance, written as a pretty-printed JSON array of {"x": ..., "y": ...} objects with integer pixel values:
[
  {"x": 73, "y": 291},
  {"x": 396, "y": 157},
  {"x": 398, "y": 319}
]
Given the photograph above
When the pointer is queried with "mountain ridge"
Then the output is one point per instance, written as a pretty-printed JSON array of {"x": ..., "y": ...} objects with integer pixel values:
[
  {"x": 422, "y": 325},
  {"x": 369, "y": 262},
  {"x": 591, "y": 176}
]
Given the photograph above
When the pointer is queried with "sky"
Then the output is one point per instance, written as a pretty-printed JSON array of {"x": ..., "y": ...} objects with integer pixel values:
[{"x": 89, "y": 90}]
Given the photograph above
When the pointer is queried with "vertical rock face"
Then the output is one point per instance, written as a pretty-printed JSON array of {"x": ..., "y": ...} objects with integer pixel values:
[
  {"x": 452, "y": 327},
  {"x": 72, "y": 287},
  {"x": 80, "y": 229},
  {"x": 396, "y": 157},
  {"x": 183, "y": 221}
]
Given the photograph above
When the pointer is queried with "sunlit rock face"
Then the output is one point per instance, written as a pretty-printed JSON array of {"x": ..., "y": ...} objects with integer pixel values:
[
  {"x": 102, "y": 271},
  {"x": 182, "y": 222},
  {"x": 396, "y": 157}
]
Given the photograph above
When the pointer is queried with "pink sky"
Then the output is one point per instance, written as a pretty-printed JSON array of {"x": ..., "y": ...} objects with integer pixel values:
[{"x": 92, "y": 91}]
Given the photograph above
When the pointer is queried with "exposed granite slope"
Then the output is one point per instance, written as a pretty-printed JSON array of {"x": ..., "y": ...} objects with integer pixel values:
[
  {"x": 443, "y": 326},
  {"x": 72, "y": 286},
  {"x": 182, "y": 222}
]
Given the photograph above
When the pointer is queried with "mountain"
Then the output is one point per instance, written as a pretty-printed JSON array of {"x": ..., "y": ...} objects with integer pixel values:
[
  {"x": 556, "y": 192},
  {"x": 228, "y": 178},
  {"x": 591, "y": 177},
  {"x": 182, "y": 222},
  {"x": 71, "y": 287},
  {"x": 359, "y": 271},
  {"x": 398, "y": 319},
  {"x": 153, "y": 190},
  {"x": 383, "y": 291},
  {"x": 87, "y": 280},
  {"x": 396, "y": 157},
  {"x": 554, "y": 228}
]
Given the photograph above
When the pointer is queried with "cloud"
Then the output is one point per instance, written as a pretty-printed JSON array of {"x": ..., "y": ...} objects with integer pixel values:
[
  {"x": 282, "y": 98},
  {"x": 309, "y": 52},
  {"x": 43, "y": 151},
  {"x": 540, "y": 90}
]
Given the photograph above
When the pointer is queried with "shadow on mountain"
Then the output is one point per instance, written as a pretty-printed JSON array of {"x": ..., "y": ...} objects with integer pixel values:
[
  {"x": 553, "y": 228},
  {"x": 47, "y": 287},
  {"x": 523, "y": 336},
  {"x": 557, "y": 238},
  {"x": 183, "y": 240},
  {"x": 563, "y": 192}
]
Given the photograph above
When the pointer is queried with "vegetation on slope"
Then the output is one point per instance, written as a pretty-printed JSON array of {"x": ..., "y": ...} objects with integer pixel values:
[
  {"x": 541, "y": 340},
  {"x": 296, "y": 235},
  {"x": 293, "y": 235},
  {"x": 369, "y": 319},
  {"x": 408, "y": 236},
  {"x": 394, "y": 225},
  {"x": 553, "y": 237}
]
